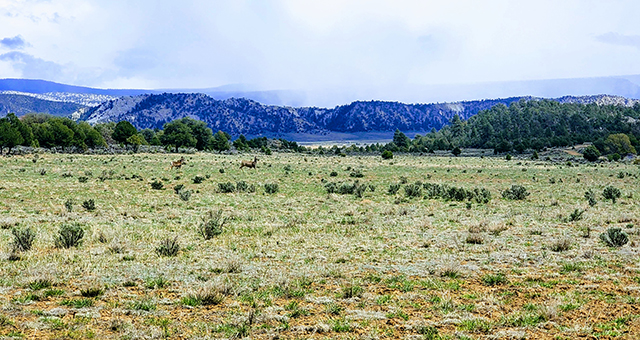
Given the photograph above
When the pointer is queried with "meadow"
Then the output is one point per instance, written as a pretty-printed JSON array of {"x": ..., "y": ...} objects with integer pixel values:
[{"x": 213, "y": 251}]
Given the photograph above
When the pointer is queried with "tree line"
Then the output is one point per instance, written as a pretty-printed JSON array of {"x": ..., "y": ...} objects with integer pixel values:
[
  {"x": 523, "y": 125},
  {"x": 47, "y": 131},
  {"x": 533, "y": 125}
]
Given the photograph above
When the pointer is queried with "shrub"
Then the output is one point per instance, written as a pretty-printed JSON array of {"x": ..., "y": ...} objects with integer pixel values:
[
  {"x": 69, "y": 235},
  {"x": 614, "y": 237},
  {"x": 333, "y": 174},
  {"x": 576, "y": 215},
  {"x": 185, "y": 195},
  {"x": 352, "y": 290},
  {"x": 535, "y": 156},
  {"x": 508, "y": 157},
  {"x": 157, "y": 185},
  {"x": 560, "y": 245},
  {"x": 387, "y": 154},
  {"x": 356, "y": 174},
  {"x": 393, "y": 188},
  {"x": 242, "y": 186},
  {"x": 207, "y": 296},
  {"x": 68, "y": 204},
  {"x": 178, "y": 188},
  {"x": 212, "y": 224},
  {"x": 516, "y": 192},
  {"x": 611, "y": 193},
  {"x": 331, "y": 188},
  {"x": 494, "y": 279},
  {"x": 271, "y": 188},
  {"x": 591, "y": 153},
  {"x": 168, "y": 247},
  {"x": 591, "y": 197},
  {"x": 481, "y": 195},
  {"x": 89, "y": 204},
  {"x": 92, "y": 292},
  {"x": 456, "y": 151},
  {"x": 413, "y": 190},
  {"x": 226, "y": 188},
  {"x": 82, "y": 179},
  {"x": 22, "y": 239},
  {"x": 198, "y": 180},
  {"x": 475, "y": 238}
]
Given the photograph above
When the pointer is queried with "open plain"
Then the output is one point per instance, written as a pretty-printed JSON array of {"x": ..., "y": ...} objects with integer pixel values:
[{"x": 286, "y": 259}]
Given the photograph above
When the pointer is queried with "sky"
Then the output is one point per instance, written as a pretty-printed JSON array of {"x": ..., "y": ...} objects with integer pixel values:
[{"x": 368, "y": 49}]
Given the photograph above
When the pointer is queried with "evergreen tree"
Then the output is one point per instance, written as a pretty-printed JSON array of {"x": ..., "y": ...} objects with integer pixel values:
[
  {"x": 9, "y": 136},
  {"x": 199, "y": 131},
  {"x": 220, "y": 141},
  {"x": 122, "y": 131},
  {"x": 177, "y": 134},
  {"x": 401, "y": 141},
  {"x": 591, "y": 153}
]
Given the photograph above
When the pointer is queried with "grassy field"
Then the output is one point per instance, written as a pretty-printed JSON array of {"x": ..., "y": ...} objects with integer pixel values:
[{"x": 304, "y": 263}]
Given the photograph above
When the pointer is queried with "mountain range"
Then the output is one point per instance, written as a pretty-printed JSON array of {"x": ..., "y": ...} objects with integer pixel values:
[{"x": 151, "y": 109}]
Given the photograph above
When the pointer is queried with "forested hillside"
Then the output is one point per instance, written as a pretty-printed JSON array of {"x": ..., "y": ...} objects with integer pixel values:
[
  {"x": 534, "y": 125},
  {"x": 242, "y": 116}
]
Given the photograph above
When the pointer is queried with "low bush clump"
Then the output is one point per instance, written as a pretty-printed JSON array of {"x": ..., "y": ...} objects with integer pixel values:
[
  {"x": 479, "y": 195},
  {"x": 69, "y": 235},
  {"x": 22, "y": 239},
  {"x": 157, "y": 185},
  {"x": 356, "y": 174},
  {"x": 271, "y": 188},
  {"x": 212, "y": 224},
  {"x": 614, "y": 237},
  {"x": 89, "y": 204},
  {"x": 387, "y": 154},
  {"x": 168, "y": 247},
  {"x": 590, "y": 196},
  {"x": 178, "y": 188},
  {"x": 185, "y": 195},
  {"x": 494, "y": 279},
  {"x": 560, "y": 245},
  {"x": 198, "y": 180},
  {"x": 226, "y": 188},
  {"x": 611, "y": 193},
  {"x": 346, "y": 188},
  {"x": 393, "y": 188},
  {"x": 413, "y": 190},
  {"x": 516, "y": 192}
]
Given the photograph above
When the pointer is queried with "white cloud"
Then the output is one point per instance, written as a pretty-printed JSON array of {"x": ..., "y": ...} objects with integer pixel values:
[{"x": 370, "y": 48}]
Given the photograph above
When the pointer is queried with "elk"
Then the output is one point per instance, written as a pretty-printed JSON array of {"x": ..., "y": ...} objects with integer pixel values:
[
  {"x": 249, "y": 164},
  {"x": 177, "y": 164}
]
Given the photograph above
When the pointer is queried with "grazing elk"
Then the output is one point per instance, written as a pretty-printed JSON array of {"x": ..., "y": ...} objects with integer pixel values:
[
  {"x": 177, "y": 164},
  {"x": 249, "y": 164}
]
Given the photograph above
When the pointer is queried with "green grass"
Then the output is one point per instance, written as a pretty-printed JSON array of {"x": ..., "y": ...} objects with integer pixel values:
[{"x": 315, "y": 258}]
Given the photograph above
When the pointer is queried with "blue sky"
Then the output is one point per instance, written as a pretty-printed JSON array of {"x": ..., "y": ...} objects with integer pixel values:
[{"x": 364, "y": 47}]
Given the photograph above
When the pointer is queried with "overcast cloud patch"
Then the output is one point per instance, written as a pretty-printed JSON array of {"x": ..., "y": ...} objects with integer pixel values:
[
  {"x": 620, "y": 39},
  {"x": 32, "y": 67},
  {"x": 15, "y": 43}
]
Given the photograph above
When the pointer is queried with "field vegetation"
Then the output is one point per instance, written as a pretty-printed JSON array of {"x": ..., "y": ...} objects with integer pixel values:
[{"x": 318, "y": 246}]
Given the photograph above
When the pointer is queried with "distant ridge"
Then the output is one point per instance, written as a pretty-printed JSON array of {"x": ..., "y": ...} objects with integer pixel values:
[
  {"x": 43, "y": 86},
  {"x": 243, "y": 116}
]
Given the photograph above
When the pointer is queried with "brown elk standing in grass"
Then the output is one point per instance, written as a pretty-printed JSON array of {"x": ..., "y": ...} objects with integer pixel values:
[
  {"x": 249, "y": 164},
  {"x": 177, "y": 164}
]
